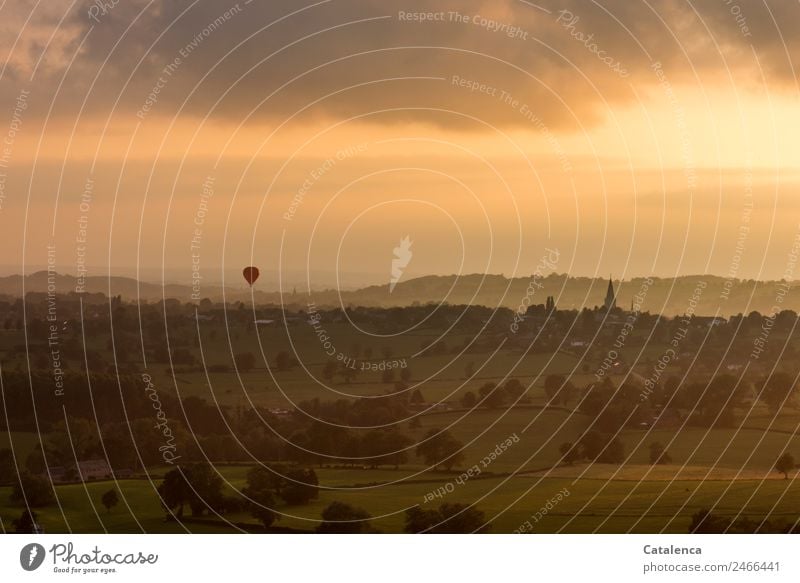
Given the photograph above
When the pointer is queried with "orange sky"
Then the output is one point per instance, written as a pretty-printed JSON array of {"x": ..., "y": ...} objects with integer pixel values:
[{"x": 332, "y": 133}]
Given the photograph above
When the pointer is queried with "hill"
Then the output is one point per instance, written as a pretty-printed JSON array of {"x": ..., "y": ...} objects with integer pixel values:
[{"x": 669, "y": 296}]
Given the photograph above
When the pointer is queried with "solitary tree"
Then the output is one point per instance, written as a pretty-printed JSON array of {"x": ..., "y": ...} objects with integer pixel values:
[
  {"x": 469, "y": 370},
  {"x": 514, "y": 388},
  {"x": 283, "y": 361},
  {"x": 110, "y": 499},
  {"x": 570, "y": 453},
  {"x": 245, "y": 361},
  {"x": 785, "y": 464},
  {"x": 659, "y": 455}
]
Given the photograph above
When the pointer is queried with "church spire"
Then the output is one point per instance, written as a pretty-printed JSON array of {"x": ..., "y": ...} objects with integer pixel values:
[{"x": 611, "y": 301}]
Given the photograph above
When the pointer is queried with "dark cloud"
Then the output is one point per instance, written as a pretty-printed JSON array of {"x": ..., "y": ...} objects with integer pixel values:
[{"x": 232, "y": 58}]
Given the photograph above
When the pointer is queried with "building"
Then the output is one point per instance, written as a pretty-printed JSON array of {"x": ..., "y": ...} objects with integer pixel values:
[
  {"x": 610, "y": 302},
  {"x": 85, "y": 471}
]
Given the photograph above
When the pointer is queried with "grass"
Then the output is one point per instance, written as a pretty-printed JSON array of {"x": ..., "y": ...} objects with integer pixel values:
[
  {"x": 592, "y": 504},
  {"x": 602, "y": 500}
]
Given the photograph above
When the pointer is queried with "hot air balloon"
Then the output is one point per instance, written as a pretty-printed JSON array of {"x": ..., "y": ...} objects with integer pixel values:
[{"x": 250, "y": 274}]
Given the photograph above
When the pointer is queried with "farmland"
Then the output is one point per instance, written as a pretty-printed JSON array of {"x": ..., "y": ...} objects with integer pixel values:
[{"x": 518, "y": 419}]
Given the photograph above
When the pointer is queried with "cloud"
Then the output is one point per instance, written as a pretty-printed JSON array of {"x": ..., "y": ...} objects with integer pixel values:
[{"x": 561, "y": 62}]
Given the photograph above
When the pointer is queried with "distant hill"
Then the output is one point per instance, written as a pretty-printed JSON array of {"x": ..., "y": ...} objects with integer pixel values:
[{"x": 669, "y": 296}]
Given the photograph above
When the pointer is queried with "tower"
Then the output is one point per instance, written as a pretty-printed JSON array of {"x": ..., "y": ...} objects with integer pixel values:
[{"x": 611, "y": 301}]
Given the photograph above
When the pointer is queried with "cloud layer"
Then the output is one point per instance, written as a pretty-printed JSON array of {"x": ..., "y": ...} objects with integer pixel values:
[{"x": 566, "y": 61}]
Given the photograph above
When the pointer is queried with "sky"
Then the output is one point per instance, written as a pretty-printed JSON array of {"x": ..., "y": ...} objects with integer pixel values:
[{"x": 186, "y": 139}]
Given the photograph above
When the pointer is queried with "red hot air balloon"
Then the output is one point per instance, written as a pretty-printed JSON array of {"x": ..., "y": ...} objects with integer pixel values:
[{"x": 250, "y": 274}]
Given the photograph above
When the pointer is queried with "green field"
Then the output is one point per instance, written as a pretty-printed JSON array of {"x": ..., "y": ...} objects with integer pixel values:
[
  {"x": 727, "y": 470},
  {"x": 592, "y": 504}
]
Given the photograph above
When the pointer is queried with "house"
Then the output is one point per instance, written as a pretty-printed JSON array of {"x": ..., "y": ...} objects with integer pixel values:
[
  {"x": 96, "y": 469},
  {"x": 281, "y": 413},
  {"x": 86, "y": 471}
]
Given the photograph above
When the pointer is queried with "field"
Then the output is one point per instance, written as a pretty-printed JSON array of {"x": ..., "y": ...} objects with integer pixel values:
[
  {"x": 719, "y": 471},
  {"x": 728, "y": 470},
  {"x": 592, "y": 504}
]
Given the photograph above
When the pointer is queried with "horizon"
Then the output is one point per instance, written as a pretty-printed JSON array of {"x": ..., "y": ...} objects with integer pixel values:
[{"x": 235, "y": 275}]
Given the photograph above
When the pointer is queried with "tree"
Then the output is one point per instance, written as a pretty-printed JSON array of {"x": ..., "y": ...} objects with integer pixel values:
[
  {"x": 7, "y": 467},
  {"x": 300, "y": 486},
  {"x": 552, "y": 383},
  {"x": 613, "y": 453},
  {"x": 558, "y": 389},
  {"x": 260, "y": 485},
  {"x": 785, "y": 464},
  {"x": 329, "y": 370},
  {"x": 348, "y": 373},
  {"x": 514, "y": 389},
  {"x": 440, "y": 448},
  {"x": 245, "y": 361},
  {"x": 206, "y": 486},
  {"x": 703, "y": 522},
  {"x": 601, "y": 447},
  {"x": 32, "y": 491},
  {"x": 174, "y": 491},
  {"x": 197, "y": 485},
  {"x": 385, "y": 446},
  {"x": 659, "y": 455},
  {"x": 492, "y": 395},
  {"x": 110, "y": 499},
  {"x": 569, "y": 453},
  {"x": 26, "y": 523},
  {"x": 778, "y": 389},
  {"x": 64, "y": 443},
  {"x": 283, "y": 361},
  {"x": 34, "y": 462},
  {"x": 469, "y": 370},
  {"x": 468, "y": 400},
  {"x": 718, "y": 401},
  {"x": 342, "y": 518},
  {"x": 447, "y": 519}
]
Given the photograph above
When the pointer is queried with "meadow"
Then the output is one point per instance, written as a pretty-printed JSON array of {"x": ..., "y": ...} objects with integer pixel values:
[{"x": 729, "y": 470}]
